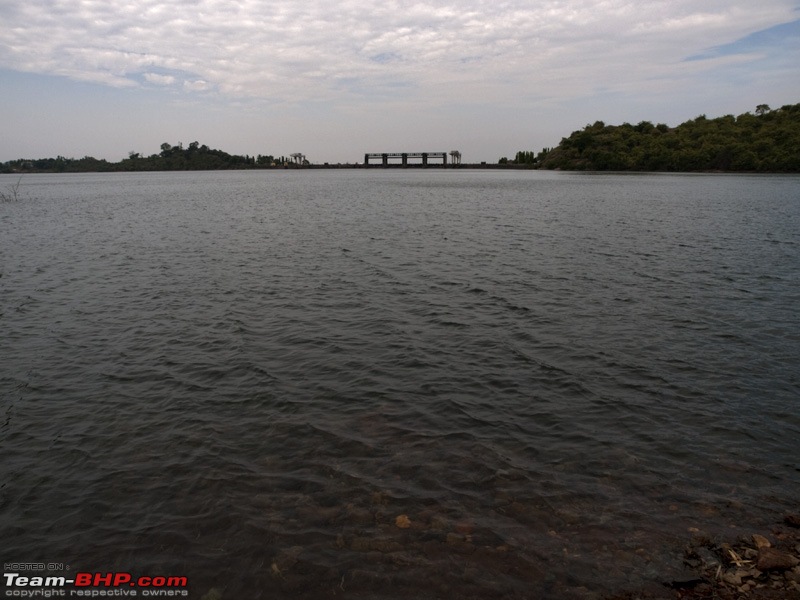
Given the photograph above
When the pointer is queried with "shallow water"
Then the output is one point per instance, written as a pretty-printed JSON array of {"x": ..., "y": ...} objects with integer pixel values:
[{"x": 246, "y": 377}]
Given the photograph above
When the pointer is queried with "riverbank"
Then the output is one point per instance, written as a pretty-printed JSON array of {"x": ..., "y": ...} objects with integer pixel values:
[{"x": 763, "y": 566}]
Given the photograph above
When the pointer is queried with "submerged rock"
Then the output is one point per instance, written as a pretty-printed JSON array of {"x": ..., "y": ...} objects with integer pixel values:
[
  {"x": 792, "y": 520},
  {"x": 212, "y": 594},
  {"x": 770, "y": 559},
  {"x": 402, "y": 521},
  {"x": 285, "y": 560},
  {"x": 760, "y": 541}
]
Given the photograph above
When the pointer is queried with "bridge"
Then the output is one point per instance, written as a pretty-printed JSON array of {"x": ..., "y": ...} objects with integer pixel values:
[{"x": 385, "y": 157}]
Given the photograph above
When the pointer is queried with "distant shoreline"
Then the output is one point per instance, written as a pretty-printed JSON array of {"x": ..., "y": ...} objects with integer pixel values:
[
  {"x": 764, "y": 142},
  {"x": 324, "y": 166},
  {"x": 461, "y": 167}
]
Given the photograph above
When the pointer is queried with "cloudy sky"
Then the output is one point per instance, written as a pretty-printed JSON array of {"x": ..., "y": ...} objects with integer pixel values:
[{"x": 336, "y": 79}]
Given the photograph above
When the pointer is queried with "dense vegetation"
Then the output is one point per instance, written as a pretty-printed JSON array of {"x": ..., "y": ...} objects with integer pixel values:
[
  {"x": 767, "y": 141},
  {"x": 171, "y": 158}
]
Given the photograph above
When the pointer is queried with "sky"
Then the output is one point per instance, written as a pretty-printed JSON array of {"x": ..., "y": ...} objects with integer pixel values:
[{"x": 337, "y": 79}]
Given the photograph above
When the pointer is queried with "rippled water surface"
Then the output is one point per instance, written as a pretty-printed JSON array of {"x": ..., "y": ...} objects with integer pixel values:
[{"x": 246, "y": 377}]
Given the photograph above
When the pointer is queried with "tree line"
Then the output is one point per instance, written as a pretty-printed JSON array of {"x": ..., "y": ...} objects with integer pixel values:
[
  {"x": 766, "y": 141},
  {"x": 194, "y": 157}
]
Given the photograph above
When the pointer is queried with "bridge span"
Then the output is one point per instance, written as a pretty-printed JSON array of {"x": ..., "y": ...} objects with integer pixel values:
[{"x": 385, "y": 157}]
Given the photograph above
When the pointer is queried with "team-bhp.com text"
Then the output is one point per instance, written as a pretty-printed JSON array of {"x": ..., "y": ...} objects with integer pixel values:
[{"x": 94, "y": 585}]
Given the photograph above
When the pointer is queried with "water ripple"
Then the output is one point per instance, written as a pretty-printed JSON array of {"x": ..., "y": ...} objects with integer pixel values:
[{"x": 552, "y": 376}]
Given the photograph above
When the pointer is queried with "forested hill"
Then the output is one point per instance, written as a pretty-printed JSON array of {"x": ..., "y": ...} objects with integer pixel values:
[
  {"x": 171, "y": 158},
  {"x": 767, "y": 141}
]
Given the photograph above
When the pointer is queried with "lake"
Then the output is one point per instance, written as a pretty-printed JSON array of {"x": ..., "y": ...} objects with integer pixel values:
[{"x": 396, "y": 383}]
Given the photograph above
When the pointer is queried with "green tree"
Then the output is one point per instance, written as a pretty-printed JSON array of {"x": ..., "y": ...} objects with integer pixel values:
[{"x": 766, "y": 141}]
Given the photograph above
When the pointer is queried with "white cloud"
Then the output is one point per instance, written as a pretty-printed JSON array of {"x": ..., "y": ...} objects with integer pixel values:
[
  {"x": 196, "y": 86},
  {"x": 305, "y": 50},
  {"x": 159, "y": 79}
]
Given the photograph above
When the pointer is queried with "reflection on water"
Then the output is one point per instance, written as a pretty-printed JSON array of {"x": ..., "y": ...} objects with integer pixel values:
[{"x": 402, "y": 384}]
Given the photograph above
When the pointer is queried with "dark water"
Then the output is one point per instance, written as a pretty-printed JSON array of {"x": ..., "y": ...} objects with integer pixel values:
[{"x": 245, "y": 378}]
